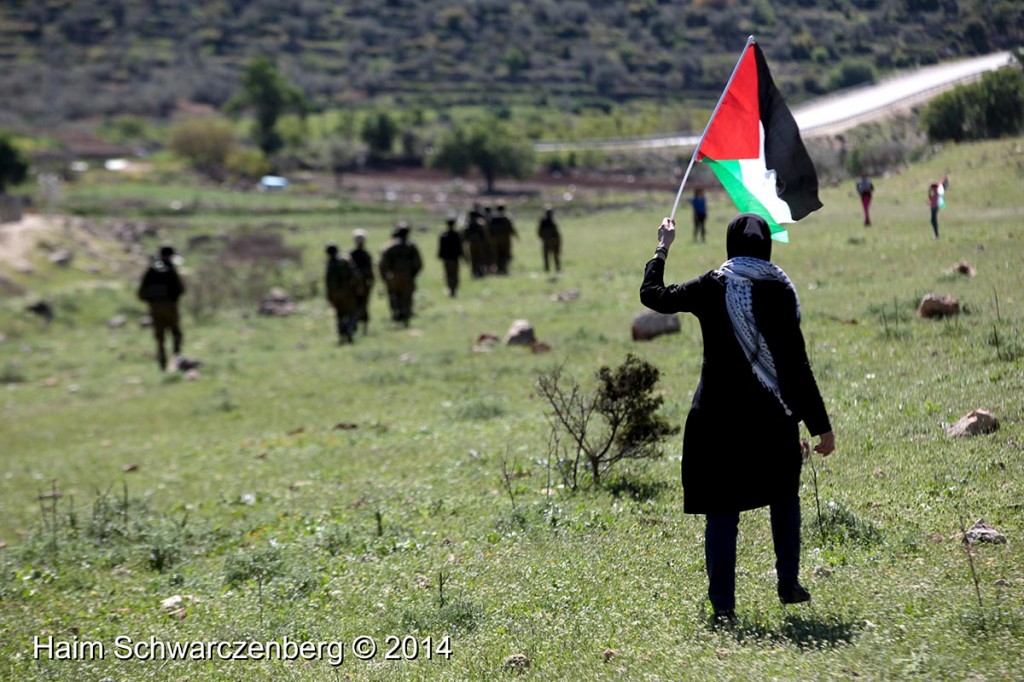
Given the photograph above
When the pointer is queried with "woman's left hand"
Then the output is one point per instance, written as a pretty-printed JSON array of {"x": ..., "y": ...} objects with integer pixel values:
[{"x": 826, "y": 444}]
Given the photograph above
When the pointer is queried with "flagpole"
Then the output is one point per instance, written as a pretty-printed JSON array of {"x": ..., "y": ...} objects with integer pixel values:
[{"x": 679, "y": 194}]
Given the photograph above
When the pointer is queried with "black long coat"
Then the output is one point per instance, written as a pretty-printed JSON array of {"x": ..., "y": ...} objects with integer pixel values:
[{"x": 740, "y": 449}]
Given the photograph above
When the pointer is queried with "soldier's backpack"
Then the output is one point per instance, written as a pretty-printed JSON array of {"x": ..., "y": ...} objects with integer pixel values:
[{"x": 158, "y": 284}]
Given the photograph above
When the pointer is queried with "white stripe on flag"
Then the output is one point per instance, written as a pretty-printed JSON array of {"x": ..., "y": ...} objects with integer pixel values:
[{"x": 760, "y": 181}]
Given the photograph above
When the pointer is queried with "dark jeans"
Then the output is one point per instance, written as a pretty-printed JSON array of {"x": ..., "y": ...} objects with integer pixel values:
[
  {"x": 720, "y": 550},
  {"x": 552, "y": 249},
  {"x": 451, "y": 275},
  {"x": 935, "y": 222},
  {"x": 698, "y": 225}
]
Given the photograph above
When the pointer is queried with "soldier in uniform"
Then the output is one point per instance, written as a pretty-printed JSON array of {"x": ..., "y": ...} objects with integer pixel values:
[
  {"x": 489, "y": 259},
  {"x": 475, "y": 238},
  {"x": 400, "y": 263},
  {"x": 449, "y": 250},
  {"x": 161, "y": 287},
  {"x": 363, "y": 263},
  {"x": 341, "y": 281},
  {"x": 550, "y": 239},
  {"x": 502, "y": 231}
]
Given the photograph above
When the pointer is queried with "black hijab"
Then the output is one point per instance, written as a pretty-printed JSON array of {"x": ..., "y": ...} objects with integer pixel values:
[{"x": 748, "y": 235}]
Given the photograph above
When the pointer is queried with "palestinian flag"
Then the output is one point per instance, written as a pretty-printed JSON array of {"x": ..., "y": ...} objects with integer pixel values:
[{"x": 753, "y": 145}]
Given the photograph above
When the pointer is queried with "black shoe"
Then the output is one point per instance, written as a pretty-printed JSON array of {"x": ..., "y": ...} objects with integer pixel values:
[
  {"x": 723, "y": 620},
  {"x": 793, "y": 593}
]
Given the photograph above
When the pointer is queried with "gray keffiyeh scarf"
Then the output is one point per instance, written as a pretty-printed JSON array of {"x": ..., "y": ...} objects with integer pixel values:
[{"x": 740, "y": 274}]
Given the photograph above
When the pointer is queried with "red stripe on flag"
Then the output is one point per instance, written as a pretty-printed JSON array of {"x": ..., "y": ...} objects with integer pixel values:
[{"x": 735, "y": 132}]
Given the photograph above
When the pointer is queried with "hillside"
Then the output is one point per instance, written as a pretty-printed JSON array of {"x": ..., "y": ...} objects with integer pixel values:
[{"x": 65, "y": 60}]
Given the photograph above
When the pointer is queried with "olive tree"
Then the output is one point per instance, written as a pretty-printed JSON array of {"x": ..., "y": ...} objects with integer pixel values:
[
  {"x": 488, "y": 145},
  {"x": 266, "y": 92}
]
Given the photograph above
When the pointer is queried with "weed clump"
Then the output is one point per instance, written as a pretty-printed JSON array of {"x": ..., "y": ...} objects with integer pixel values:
[
  {"x": 838, "y": 523},
  {"x": 117, "y": 528}
]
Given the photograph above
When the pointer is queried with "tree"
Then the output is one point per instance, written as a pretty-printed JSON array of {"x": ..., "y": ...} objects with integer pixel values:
[
  {"x": 265, "y": 91},
  {"x": 378, "y": 132},
  {"x": 488, "y": 145},
  {"x": 13, "y": 165},
  {"x": 618, "y": 420},
  {"x": 205, "y": 143}
]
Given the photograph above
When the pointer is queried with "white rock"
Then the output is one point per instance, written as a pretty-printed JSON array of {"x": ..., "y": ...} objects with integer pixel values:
[{"x": 520, "y": 333}]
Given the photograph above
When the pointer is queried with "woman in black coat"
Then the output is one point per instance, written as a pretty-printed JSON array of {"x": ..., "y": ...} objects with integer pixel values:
[{"x": 741, "y": 445}]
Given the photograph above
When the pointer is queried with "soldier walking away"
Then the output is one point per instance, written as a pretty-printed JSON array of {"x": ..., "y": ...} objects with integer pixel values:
[
  {"x": 449, "y": 250},
  {"x": 864, "y": 188},
  {"x": 475, "y": 237},
  {"x": 502, "y": 232},
  {"x": 550, "y": 239},
  {"x": 341, "y": 280},
  {"x": 400, "y": 263},
  {"x": 363, "y": 263},
  {"x": 161, "y": 287},
  {"x": 488, "y": 241}
]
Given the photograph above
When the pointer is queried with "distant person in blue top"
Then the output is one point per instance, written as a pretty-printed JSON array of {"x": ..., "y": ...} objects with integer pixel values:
[{"x": 700, "y": 213}]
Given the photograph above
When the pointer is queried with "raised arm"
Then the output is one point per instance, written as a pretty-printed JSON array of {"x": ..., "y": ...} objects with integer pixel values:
[{"x": 674, "y": 298}]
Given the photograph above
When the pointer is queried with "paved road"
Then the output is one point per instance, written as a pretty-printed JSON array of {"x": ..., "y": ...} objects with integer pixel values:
[{"x": 837, "y": 112}]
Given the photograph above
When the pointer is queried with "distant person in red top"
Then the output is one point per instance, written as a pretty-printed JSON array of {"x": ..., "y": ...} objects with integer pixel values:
[
  {"x": 864, "y": 189},
  {"x": 937, "y": 201}
]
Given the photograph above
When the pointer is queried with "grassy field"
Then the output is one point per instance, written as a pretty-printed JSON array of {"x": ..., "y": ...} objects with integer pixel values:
[{"x": 303, "y": 490}]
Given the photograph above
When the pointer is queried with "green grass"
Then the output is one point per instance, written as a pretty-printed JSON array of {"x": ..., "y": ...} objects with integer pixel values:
[{"x": 242, "y": 484}]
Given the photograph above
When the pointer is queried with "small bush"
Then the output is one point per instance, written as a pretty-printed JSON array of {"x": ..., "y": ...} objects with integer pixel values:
[
  {"x": 204, "y": 143},
  {"x": 852, "y": 72},
  {"x": 617, "y": 421},
  {"x": 990, "y": 108},
  {"x": 247, "y": 164}
]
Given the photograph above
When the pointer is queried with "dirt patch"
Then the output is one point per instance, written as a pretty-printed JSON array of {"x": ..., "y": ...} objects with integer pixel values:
[
  {"x": 82, "y": 244},
  {"x": 18, "y": 240}
]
